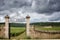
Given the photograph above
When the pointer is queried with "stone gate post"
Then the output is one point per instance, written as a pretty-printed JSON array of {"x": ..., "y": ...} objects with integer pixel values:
[
  {"x": 28, "y": 25},
  {"x": 6, "y": 26}
]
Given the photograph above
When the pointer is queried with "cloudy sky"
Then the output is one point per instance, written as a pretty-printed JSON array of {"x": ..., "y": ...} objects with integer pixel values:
[{"x": 39, "y": 10}]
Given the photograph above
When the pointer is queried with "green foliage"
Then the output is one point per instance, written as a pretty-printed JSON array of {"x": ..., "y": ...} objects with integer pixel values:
[
  {"x": 17, "y": 25},
  {"x": 37, "y": 23},
  {"x": 54, "y": 24}
]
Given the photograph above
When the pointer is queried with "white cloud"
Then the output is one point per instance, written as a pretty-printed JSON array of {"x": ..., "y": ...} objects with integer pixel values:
[
  {"x": 2, "y": 19},
  {"x": 39, "y": 10},
  {"x": 35, "y": 17}
]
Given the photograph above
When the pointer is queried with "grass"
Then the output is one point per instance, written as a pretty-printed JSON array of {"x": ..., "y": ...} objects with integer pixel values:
[
  {"x": 23, "y": 35},
  {"x": 16, "y": 29},
  {"x": 53, "y": 28}
]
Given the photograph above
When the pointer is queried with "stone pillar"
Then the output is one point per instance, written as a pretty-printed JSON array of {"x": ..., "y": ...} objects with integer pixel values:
[
  {"x": 7, "y": 26},
  {"x": 28, "y": 25},
  {"x": 33, "y": 27}
]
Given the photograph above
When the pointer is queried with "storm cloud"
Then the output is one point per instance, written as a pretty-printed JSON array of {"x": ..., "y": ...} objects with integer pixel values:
[
  {"x": 49, "y": 9},
  {"x": 46, "y": 6}
]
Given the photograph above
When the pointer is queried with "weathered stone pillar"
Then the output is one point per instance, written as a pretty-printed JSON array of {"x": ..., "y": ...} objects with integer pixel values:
[
  {"x": 7, "y": 26},
  {"x": 28, "y": 25},
  {"x": 33, "y": 27}
]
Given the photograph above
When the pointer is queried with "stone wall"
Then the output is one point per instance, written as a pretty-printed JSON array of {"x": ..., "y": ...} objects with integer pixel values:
[
  {"x": 2, "y": 31},
  {"x": 44, "y": 34}
]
